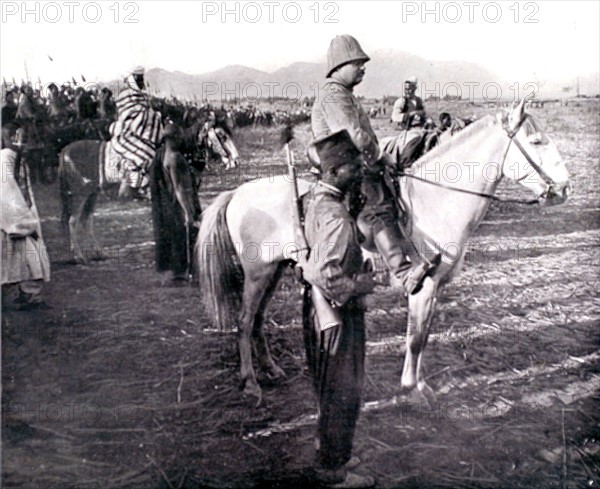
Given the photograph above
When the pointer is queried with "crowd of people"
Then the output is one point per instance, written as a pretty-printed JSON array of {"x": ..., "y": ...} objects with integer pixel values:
[{"x": 69, "y": 104}]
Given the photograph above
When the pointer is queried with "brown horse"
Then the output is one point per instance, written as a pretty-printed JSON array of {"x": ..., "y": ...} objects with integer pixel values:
[
  {"x": 247, "y": 235},
  {"x": 86, "y": 169}
]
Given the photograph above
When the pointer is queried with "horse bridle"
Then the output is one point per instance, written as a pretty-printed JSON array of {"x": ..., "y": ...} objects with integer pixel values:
[{"x": 512, "y": 139}]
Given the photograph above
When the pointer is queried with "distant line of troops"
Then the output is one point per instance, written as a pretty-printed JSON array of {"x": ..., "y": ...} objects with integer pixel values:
[
  {"x": 347, "y": 153},
  {"x": 61, "y": 106},
  {"x": 65, "y": 105}
]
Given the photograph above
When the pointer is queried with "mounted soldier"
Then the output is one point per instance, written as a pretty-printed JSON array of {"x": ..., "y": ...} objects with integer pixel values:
[
  {"x": 28, "y": 110},
  {"x": 408, "y": 104},
  {"x": 337, "y": 108},
  {"x": 57, "y": 106},
  {"x": 135, "y": 132}
]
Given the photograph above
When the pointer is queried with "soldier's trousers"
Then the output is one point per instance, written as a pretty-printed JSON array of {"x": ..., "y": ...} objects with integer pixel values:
[
  {"x": 379, "y": 211},
  {"x": 336, "y": 359}
]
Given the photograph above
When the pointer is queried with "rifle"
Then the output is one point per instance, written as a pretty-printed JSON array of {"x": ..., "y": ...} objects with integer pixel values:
[
  {"x": 327, "y": 316},
  {"x": 297, "y": 211}
]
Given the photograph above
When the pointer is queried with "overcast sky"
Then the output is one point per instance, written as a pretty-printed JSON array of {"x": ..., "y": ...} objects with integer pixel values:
[{"x": 551, "y": 40}]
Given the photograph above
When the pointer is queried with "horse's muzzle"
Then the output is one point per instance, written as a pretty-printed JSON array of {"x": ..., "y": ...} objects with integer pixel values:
[{"x": 557, "y": 194}]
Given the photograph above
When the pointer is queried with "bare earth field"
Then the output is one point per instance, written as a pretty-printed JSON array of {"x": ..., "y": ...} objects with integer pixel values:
[{"x": 124, "y": 383}]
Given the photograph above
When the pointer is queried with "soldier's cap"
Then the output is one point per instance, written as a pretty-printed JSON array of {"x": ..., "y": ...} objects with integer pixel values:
[
  {"x": 138, "y": 70},
  {"x": 336, "y": 150}
]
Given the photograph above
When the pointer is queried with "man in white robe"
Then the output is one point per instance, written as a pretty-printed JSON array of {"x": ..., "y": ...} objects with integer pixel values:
[{"x": 25, "y": 262}]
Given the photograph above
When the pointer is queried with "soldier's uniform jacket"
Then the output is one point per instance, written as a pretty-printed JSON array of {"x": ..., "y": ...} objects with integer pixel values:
[
  {"x": 335, "y": 256},
  {"x": 337, "y": 108}
]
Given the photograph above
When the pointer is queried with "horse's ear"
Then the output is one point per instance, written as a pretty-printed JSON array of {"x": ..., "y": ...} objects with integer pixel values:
[{"x": 516, "y": 114}]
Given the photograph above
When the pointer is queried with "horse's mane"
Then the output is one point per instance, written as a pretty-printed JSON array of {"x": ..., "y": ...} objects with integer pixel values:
[{"x": 456, "y": 140}]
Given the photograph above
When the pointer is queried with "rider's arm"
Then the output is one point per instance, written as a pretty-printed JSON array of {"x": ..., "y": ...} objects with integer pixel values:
[{"x": 398, "y": 110}]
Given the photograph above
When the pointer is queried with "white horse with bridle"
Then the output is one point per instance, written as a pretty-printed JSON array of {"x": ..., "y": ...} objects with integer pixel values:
[{"x": 247, "y": 235}]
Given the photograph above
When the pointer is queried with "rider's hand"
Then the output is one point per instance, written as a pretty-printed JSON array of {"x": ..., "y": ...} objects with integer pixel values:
[{"x": 388, "y": 161}]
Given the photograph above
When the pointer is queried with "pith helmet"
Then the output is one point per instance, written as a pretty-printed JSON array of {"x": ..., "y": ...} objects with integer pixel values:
[
  {"x": 336, "y": 150},
  {"x": 343, "y": 50}
]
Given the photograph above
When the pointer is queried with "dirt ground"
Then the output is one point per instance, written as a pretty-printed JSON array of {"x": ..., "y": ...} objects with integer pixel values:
[{"x": 125, "y": 383}]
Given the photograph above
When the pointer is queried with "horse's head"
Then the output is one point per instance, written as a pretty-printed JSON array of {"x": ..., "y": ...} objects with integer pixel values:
[
  {"x": 217, "y": 140},
  {"x": 532, "y": 159}
]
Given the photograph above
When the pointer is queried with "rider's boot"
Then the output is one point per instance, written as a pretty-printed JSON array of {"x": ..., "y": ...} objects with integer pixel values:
[{"x": 404, "y": 274}]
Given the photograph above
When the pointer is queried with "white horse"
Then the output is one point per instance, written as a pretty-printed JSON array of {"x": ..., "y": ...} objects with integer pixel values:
[{"x": 247, "y": 234}]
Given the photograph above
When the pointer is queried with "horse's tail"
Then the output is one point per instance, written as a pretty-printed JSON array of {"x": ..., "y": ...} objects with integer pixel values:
[{"x": 221, "y": 278}]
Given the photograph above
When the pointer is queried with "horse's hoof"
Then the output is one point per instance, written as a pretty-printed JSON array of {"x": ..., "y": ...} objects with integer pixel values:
[
  {"x": 252, "y": 389},
  {"x": 428, "y": 394},
  {"x": 80, "y": 260},
  {"x": 275, "y": 372}
]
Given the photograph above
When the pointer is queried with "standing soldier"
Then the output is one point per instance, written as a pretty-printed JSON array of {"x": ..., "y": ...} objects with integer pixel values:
[
  {"x": 337, "y": 108},
  {"x": 175, "y": 207},
  {"x": 334, "y": 328},
  {"x": 408, "y": 104}
]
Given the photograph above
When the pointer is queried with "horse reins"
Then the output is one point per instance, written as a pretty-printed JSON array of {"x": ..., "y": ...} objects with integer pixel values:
[{"x": 511, "y": 135}]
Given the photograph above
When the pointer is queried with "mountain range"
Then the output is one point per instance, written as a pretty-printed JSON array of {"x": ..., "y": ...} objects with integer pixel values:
[{"x": 385, "y": 74}]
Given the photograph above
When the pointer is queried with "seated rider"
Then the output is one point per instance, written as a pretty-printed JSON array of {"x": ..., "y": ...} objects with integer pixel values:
[{"x": 406, "y": 105}]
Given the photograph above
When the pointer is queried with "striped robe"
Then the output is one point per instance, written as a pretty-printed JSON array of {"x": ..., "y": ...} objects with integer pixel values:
[{"x": 136, "y": 132}]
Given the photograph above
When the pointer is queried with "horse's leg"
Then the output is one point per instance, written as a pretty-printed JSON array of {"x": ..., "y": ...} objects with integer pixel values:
[
  {"x": 65, "y": 222},
  {"x": 87, "y": 222},
  {"x": 265, "y": 360},
  {"x": 99, "y": 252},
  {"x": 256, "y": 283},
  {"x": 420, "y": 312},
  {"x": 74, "y": 226}
]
